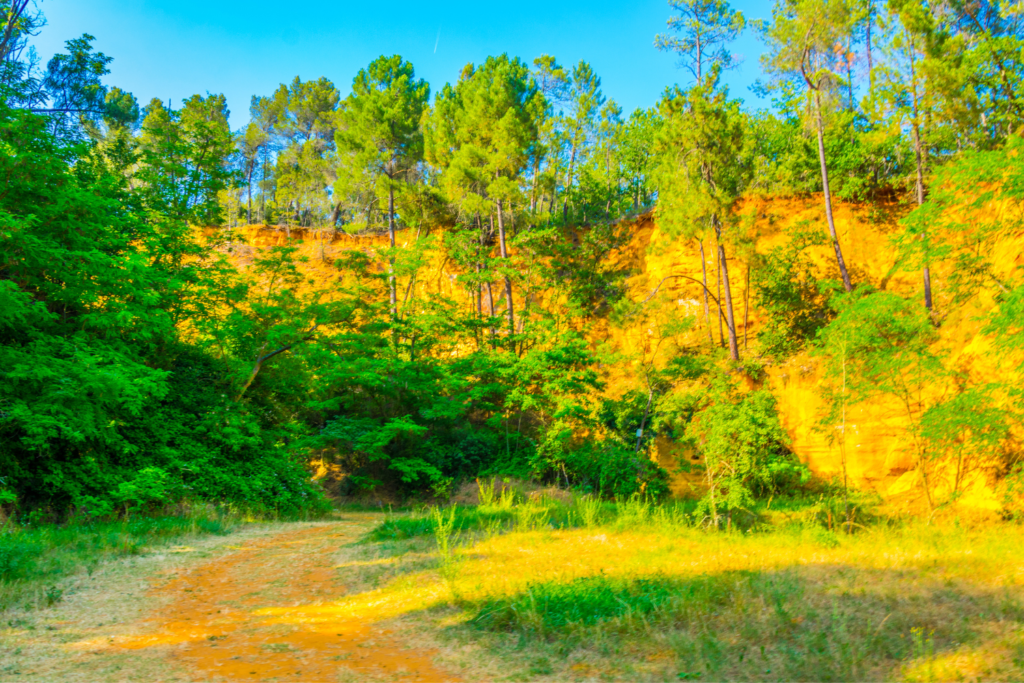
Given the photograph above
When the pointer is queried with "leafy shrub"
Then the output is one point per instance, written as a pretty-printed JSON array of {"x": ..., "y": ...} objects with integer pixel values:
[
  {"x": 605, "y": 468},
  {"x": 744, "y": 448},
  {"x": 791, "y": 291}
]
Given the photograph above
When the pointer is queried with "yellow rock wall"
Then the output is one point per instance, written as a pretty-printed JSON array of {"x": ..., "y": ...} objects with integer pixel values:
[{"x": 877, "y": 455}]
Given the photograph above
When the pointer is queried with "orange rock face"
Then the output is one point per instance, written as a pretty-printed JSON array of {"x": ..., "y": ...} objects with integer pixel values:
[{"x": 667, "y": 318}]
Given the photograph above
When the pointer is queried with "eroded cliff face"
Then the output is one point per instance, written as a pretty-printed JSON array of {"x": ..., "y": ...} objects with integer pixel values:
[{"x": 667, "y": 316}]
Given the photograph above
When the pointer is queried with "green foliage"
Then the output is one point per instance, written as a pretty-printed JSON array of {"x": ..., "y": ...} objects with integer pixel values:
[
  {"x": 139, "y": 368},
  {"x": 881, "y": 345},
  {"x": 704, "y": 29},
  {"x": 102, "y": 404},
  {"x": 790, "y": 290},
  {"x": 743, "y": 448},
  {"x": 184, "y": 154}
]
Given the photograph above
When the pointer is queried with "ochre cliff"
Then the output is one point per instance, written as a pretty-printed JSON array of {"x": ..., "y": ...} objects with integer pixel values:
[{"x": 667, "y": 316}]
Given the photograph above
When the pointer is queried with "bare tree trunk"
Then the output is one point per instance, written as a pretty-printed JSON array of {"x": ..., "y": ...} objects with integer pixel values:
[
  {"x": 746, "y": 310},
  {"x": 849, "y": 73},
  {"x": 391, "y": 258},
  {"x": 508, "y": 280},
  {"x": 490, "y": 305},
  {"x": 248, "y": 214},
  {"x": 490, "y": 292},
  {"x": 707, "y": 309},
  {"x": 568, "y": 183},
  {"x": 718, "y": 291},
  {"x": 867, "y": 41},
  {"x": 536, "y": 180},
  {"x": 828, "y": 195},
  {"x": 734, "y": 351},
  {"x": 919, "y": 157},
  {"x": 643, "y": 422}
]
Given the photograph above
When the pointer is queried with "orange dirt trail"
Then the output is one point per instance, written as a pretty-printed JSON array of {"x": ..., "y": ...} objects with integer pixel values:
[{"x": 215, "y": 624}]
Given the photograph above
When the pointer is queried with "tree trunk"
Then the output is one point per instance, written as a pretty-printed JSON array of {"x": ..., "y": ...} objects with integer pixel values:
[
  {"x": 828, "y": 195},
  {"x": 734, "y": 351},
  {"x": 533, "y": 189},
  {"x": 490, "y": 306},
  {"x": 508, "y": 280},
  {"x": 746, "y": 310},
  {"x": 867, "y": 42},
  {"x": 248, "y": 213},
  {"x": 391, "y": 258},
  {"x": 919, "y": 158},
  {"x": 849, "y": 73},
  {"x": 490, "y": 292},
  {"x": 568, "y": 182},
  {"x": 643, "y": 422},
  {"x": 707, "y": 308},
  {"x": 718, "y": 290}
]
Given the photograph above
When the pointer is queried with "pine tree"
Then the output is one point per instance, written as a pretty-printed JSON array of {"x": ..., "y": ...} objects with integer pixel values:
[
  {"x": 381, "y": 128},
  {"x": 701, "y": 176},
  {"x": 481, "y": 135},
  {"x": 802, "y": 43}
]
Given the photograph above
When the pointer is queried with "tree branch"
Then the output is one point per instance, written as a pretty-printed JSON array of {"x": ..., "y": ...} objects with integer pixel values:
[{"x": 260, "y": 360}]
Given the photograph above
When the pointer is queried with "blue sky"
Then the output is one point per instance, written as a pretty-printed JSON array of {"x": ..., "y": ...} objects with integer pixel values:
[{"x": 172, "y": 49}]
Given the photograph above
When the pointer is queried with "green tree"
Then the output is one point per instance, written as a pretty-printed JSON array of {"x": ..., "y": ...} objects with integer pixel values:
[
  {"x": 481, "y": 135},
  {"x": 905, "y": 86},
  {"x": 881, "y": 345},
  {"x": 802, "y": 40},
  {"x": 704, "y": 29},
  {"x": 553, "y": 82},
  {"x": 743, "y": 446},
  {"x": 584, "y": 106},
  {"x": 381, "y": 128},
  {"x": 303, "y": 120},
  {"x": 702, "y": 177},
  {"x": 185, "y": 158}
]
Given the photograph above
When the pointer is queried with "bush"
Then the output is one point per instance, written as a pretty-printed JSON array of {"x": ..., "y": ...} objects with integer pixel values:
[
  {"x": 605, "y": 468},
  {"x": 744, "y": 447}
]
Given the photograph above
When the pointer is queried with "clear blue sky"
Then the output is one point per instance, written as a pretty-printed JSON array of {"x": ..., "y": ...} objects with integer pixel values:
[{"x": 172, "y": 49}]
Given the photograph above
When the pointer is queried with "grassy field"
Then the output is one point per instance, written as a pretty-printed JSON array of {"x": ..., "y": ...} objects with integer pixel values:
[
  {"x": 594, "y": 591},
  {"x": 35, "y": 559},
  {"x": 546, "y": 590}
]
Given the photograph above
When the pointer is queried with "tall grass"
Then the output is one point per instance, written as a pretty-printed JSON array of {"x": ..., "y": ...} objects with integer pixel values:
[
  {"x": 446, "y": 537},
  {"x": 588, "y": 509}
]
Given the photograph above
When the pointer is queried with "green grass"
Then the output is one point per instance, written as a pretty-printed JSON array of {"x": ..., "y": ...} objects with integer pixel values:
[
  {"x": 631, "y": 590},
  {"x": 33, "y": 559},
  {"x": 493, "y": 519},
  {"x": 741, "y": 625},
  {"x": 554, "y": 609}
]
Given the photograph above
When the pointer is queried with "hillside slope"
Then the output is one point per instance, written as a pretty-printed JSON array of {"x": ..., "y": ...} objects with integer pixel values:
[{"x": 667, "y": 317}]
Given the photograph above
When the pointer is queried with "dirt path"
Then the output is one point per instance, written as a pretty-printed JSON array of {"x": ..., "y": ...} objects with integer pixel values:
[{"x": 245, "y": 616}]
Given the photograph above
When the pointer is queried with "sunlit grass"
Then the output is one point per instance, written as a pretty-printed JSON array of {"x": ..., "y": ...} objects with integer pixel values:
[{"x": 641, "y": 593}]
